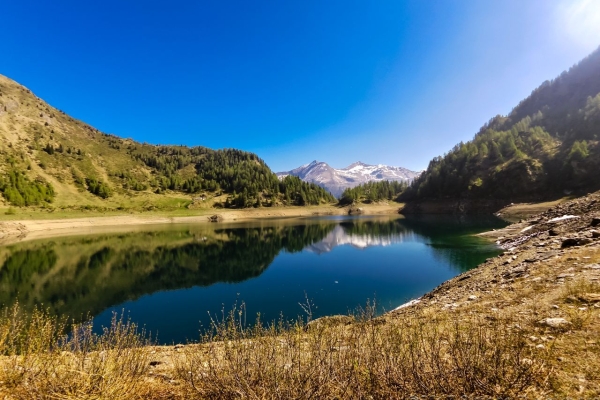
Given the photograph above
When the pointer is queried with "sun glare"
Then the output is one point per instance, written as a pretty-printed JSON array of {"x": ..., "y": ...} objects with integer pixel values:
[{"x": 581, "y": 21}]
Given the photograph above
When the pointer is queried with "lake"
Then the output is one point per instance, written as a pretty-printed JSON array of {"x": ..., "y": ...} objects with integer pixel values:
[{"x": 173, "y": 279}]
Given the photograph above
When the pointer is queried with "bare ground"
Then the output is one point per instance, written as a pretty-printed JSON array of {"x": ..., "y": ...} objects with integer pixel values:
[{"x": 28, "y": 229}]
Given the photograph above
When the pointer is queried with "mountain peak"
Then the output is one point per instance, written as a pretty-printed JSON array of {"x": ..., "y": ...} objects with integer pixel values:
[
  {"x": 337, "y": 180},
  {"x": 355, "y": 164}
]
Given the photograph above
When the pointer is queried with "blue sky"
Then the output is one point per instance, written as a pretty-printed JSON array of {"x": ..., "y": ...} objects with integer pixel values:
[{"x": 392, "y": 82}]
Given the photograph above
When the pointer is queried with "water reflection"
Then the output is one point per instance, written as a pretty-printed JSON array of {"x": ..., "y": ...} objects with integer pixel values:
[{"x": 79, "y": 275}]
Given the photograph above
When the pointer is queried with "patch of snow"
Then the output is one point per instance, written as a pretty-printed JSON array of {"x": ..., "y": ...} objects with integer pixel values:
[
  {"x": 408, "y": 304},
  {"x": 564, "y": 217}
]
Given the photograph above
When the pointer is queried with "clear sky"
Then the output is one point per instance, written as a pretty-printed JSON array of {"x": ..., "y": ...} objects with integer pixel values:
[{"x": 392, "y": 82}]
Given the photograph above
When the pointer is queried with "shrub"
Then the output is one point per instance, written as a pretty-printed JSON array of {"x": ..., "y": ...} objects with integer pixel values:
[
  {"x": 98, "y": 188},
  {"x": 19, "y": 191}
]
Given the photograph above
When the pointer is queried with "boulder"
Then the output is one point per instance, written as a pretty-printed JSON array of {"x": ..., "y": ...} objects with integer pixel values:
[
  {"x": 332, "y": 320},
  {"x": 589, "y": 297},
  {"x": 569, "y": 242},
  {"x": 215, "y": 218},
  {"x": 355, "y": 211},
  {"x": 555, "y": 322}
]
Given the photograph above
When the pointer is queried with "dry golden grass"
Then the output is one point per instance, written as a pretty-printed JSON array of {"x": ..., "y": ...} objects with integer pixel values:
[
  {"x": 418, "y": 354},
  {"x": 40, "y": 361}
]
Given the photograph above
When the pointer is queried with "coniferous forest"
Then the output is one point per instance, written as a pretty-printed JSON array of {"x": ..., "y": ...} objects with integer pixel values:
[
  {"x": 547, "y": 145},
  {"x": 243, "y": 175},
  {"x": 373, "y": 191}
]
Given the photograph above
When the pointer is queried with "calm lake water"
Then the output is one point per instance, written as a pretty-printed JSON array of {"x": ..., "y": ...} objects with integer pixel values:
[{"x": 171, "y": 279}]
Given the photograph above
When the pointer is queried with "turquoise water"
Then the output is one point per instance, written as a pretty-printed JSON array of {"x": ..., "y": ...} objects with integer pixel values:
[{"x": 173, "y": 279}]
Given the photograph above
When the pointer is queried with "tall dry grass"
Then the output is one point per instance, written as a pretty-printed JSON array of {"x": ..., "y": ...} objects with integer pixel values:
[
  {"x": 40, "y": 360},
  {"x": 415, "y": 355},
  {"x": 371, "y": 358}
]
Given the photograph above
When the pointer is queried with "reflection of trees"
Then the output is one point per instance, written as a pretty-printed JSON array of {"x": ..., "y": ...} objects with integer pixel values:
[
  {"x": 75, "y": 276},
  {"x": 20, "y": 267},
  {"x": 105, "y": 274},
  {"x": 450, "y": 238}
]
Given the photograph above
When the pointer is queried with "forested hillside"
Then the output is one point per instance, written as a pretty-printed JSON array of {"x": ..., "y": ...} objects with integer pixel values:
[
  {"x": 546, "y": 146},
  {"x": 373, "y": 191},
  {"x": 51, "y": 160}
]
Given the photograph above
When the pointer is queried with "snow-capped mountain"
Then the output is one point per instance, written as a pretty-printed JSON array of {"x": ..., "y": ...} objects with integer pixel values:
[
  {"x": 336, "y": 180},
  {"x": 339, "y": 237}
]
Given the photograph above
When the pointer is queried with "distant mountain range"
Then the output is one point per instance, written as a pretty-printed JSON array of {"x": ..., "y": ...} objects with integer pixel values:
[
  {"x": 340, "y": 237},
  {"x": 337, "y": 180}
]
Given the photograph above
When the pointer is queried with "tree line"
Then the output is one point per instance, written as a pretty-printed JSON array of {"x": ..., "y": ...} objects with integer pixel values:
[
  {"x": 546, "y": 145},
  {"x": 373, "y": 191},
  {"x": 244, "y": 176}
]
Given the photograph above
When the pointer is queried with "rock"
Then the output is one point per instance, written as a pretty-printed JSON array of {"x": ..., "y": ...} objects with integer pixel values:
[
  {"x": 595, "y": 221},
  {"x": 154, "y": 363},
  {"x": 215, "y": 218},
  {"x": 554, "y": 322},
  {"x": 553, "y": 232},
  {"x": 589, "y": 297},
  {"x": 563, "y": 276},
  {"x": 584, "y": 241},
  {"x": 592, "y": 266},
  {"x": 515, "y": 272},
  {"x": 332, "y": 320},
  {"x": 571, "y": 299},
  {"x": 596, "y": 234},
  {"x": 472, "y": 297},
  {"x": 569, "y": 242},
  {"x": 355, "y": 211}
]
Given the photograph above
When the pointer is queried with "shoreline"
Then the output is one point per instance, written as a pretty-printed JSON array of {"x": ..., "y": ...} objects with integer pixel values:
[
  {"x": 12, "y": 231},
  {"x": 37, "y": 226}
]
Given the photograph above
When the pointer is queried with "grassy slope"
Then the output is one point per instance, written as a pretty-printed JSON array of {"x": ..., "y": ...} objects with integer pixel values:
[{"x": 29, "y": 124}]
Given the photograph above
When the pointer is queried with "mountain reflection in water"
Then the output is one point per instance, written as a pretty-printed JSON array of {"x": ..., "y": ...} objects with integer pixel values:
[{"x": 85, "y": 275}]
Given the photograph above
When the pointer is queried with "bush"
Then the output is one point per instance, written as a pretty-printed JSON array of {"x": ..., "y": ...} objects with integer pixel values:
[
  {"x": 98, "y": 188},
  {"x": 19, "y": 191}
]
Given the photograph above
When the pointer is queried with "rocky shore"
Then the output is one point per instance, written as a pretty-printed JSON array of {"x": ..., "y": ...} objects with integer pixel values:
[{"x": 545, "y": 285}]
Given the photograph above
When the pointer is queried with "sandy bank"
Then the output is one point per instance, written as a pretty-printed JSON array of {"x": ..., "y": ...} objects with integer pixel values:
[{"x": 29, "y": 229}]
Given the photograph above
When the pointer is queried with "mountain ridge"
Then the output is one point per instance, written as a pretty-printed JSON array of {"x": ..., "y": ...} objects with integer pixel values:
[
  {"x": 336, "y": 180},
  {"x": 51, "y": 160},
  {"x": 547, "y": 146}
]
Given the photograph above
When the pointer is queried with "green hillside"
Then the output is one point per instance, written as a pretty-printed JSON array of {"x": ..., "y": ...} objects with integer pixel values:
[
  {"x": 547, "y": 145},
  {"x": 49, "y": 159}
]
